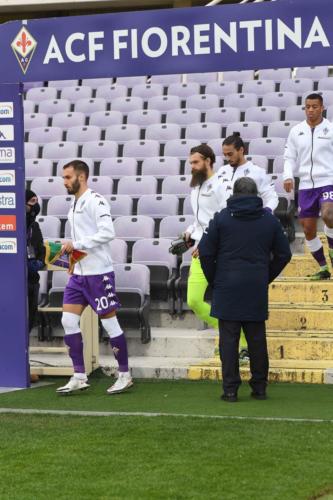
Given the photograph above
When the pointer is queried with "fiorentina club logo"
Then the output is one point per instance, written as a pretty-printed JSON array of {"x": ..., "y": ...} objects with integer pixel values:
[{"x": 24, "y": 46}]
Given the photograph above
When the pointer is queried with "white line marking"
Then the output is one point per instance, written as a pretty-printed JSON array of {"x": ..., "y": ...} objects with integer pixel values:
[{"x": 79, "y": 413}]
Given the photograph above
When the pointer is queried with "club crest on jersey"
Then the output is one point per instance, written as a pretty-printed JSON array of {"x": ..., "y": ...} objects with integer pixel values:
[
  {"x": 24, "y": 46},
  {"x": 325, "y": 131},
  {"x": 246, "y": 172}
]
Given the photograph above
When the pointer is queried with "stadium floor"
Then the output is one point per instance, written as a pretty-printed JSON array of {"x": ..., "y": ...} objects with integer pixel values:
[{"x": 275, "y": 449}]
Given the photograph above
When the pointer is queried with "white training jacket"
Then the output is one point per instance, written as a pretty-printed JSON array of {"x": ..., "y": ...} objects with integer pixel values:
[
  {"x": 309, "y": 154},
  {"x": 92, "y": 231},
  {"x": 206, "y": 200},
  {"x": 228, "y": 176}
]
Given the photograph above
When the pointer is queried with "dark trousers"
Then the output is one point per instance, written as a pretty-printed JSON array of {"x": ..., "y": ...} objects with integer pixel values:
[
  {"x": 255, "y": 333},
  {"x": 33, "y": 289}
]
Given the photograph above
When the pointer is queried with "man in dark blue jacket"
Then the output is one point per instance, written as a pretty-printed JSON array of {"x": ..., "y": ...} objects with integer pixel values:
[{"x": 241, "y": 252}]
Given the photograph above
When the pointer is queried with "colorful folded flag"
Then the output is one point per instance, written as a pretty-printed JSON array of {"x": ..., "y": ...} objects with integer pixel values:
[{"x": 55, "y": 261}]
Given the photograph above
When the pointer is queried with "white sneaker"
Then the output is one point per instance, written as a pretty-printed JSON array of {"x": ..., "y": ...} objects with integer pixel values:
[
  {"x": 74, "y": 384},
  {"x": 124, "y": 382}
]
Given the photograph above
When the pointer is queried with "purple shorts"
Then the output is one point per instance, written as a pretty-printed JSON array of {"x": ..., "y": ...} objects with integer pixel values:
[
  {"x": 98, "y": 291},
  {"x": 310, "y": 201}
]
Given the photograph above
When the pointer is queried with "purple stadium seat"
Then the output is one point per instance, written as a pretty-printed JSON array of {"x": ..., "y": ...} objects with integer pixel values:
[
  {"x": 35, "y": 120},
  {"x": 183, "y": 116},
  {"x": 270, "y": 147},
  {"x": 161, "y": 166},
  {"x": 313, "y": 72},
  {"x": 61, "y": 84},
  {"x": 241, "y": 101},
  {"x": 118, "y": 251},
  {"x": 177, "y": 184},
  {"x": 58, "y": 150},
  {"x": 165, "y": 79},
  {"x": 35, "y": 167},
  {"x": 131, "y": 81},
  {"x": 117, "y": 167},
  {"x": 259, "y": 160},
  {"x": 164, "y": 102},
  {"x": 100, "y": 149},
  {"x": 64, "y": 161},
  {"x": 132, "y": 228},
  {"x": 59, "y": 205},
  {"x": 127, "y": 104},
  {"x": 299, "y": 86},
  {"x": 110, "y": 92},
  {"x": 67, "y": 230},
  {"x": 82, "y": 134},
  {"x": 48, "y": 186},
  {"x": 101, "y": 184},
  {"x": 258, "y": 87},
  {"x": 179, "y": 147},
  {"x": 280, "y": 129},
  {"x": 202, "y": 78},
  {"x": 158, "y": 206},
  {"x": 40, "y": 94},
  {"x": 31, "y": 85},
  {"x": 203, "y": 132},
  {"x": 28, "y": 106},
  {"x": 144, "y": 117},
  {"x": 95, "y": 83},
  {"x": 89, "y": 106},
  {"x": 173, "y": 226},
  {"x": 106, "y": 118},
  {"x": 278, "y": 164},
  {"x": 73, "y": 94},
  {"x": 216, "y": 145},
  {"x": 67, "y": 120},
  {"x": 50, "y": 226},
  {"x": 238, "y": 76},
  {"x": 43, "y": 135},
  {"x": 122, "y": 133},
  {"x": 141, "y": 149},
  {"x": 147, "y": 90},
  {"x": 184, "y": 90},
  {"x": 247, "y": 130},
  {"x": 296, "y": 113},
  {"x": 120, "y": 204},
  {"x": 163, "y": 132},
  {"x": 137, "y": 185},
  {"x": 53, "y": 106},
  {"x": 222, "y": 115},
  {"x": 329, "y": 113},
  {"x": 325, "y": 83},
  {"x": 221, "y": 89},
  {"x": 30, "y": 150},
  {"x": 280, "y": 99},
  {"x": 263, "y": 114},
  {"x": 187, "y": 207},
  {"x": 277, "y": 74},
  {"x": 202, "y": 101}
]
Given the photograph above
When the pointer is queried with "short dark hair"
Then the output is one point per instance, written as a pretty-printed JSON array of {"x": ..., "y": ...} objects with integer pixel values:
[
  {"x": 234, "y": 140},
  {"x": 205, "y": 151},
  {"x": 79, "y": 166},
  {"x": 245, "y": 185},
  {"x": 314, "y": 96}
]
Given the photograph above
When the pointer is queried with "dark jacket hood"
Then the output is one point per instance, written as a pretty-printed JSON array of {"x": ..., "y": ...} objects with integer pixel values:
[{"x": 245, "y": 207}]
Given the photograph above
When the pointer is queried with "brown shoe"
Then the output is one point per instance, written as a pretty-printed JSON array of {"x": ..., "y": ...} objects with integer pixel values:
[{"x": 34, "y": 378}]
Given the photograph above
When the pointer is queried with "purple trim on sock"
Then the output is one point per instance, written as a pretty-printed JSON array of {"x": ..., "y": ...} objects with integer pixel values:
[
  {"x": 119, "y": 347},
  {"x": 330, "y": 242},
  {"x": 75, "y": 344},
  {"x": 320, "y": 257}
]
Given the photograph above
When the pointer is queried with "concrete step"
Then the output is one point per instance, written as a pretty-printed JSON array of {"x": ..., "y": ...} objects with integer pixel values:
[
  {"x": 311, "y": 372},
  {"x": 300, "y": 266},
  {"x": 300, "y": 346},
  {"x": 309, "y": 317},
  {"x": 290, "y": 291}
]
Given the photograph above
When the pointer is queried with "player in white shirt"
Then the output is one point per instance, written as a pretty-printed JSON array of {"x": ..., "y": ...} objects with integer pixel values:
[
  {"x": 92, "y": 282},
  {"x": 309, "y": 156},
  {"x": 207, "y": 198},
  {"x": 233, "y": 149}
]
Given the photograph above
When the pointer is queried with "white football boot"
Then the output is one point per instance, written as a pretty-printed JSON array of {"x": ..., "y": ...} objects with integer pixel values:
[
  {"x": 74, "y": 384},
  {"x": 124, "y": 382}
]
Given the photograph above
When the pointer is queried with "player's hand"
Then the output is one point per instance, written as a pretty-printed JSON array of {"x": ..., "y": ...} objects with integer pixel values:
[
  {"x": 187, "y": 236},
  {"x": 67, "y": 247},
  {"x": 288, "y": 185},
  {"x": 195, "y": 253}
]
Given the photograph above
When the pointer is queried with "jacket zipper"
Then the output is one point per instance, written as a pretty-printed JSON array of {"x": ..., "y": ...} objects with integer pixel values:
[
  {"x": 312, "y": 136},
  {"x": 74, "y": 232}
]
